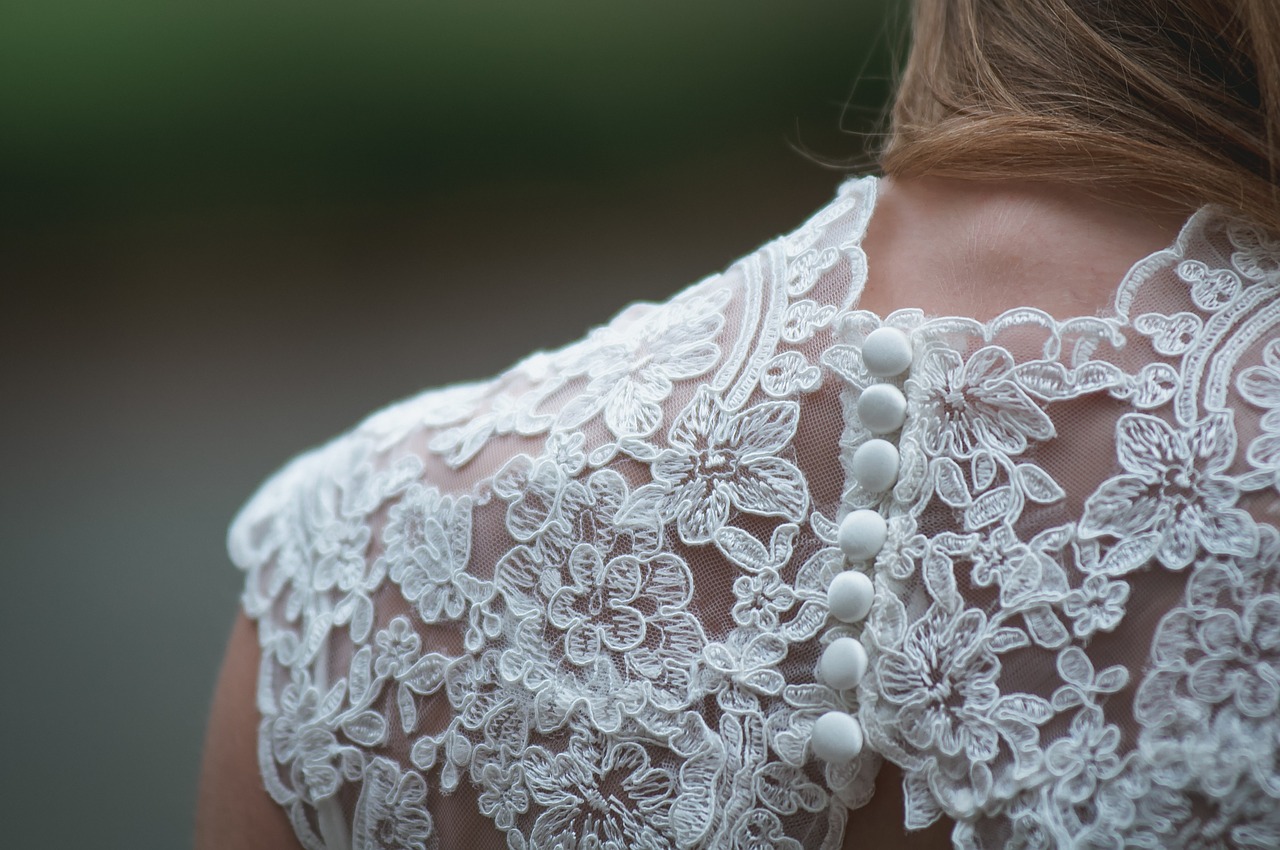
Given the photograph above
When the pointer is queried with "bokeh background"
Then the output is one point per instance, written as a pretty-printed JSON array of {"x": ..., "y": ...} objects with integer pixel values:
[{"x": 228, "y": 231}]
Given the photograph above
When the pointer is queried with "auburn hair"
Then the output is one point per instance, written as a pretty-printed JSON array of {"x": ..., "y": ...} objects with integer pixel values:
[{"x": 1178, "y": 97}]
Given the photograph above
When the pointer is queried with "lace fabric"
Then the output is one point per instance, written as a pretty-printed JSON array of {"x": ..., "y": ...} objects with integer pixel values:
[{"x": 582, "y": 604}]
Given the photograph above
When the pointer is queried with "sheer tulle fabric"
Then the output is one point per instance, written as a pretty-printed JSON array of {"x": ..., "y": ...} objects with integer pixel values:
[{"x": 581, "y": 605}]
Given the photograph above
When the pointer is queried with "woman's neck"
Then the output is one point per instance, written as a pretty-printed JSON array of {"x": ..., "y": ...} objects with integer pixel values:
[{"x": 976, "y": 248}]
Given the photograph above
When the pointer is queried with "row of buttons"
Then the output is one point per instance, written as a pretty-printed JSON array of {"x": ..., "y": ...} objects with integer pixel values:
[{"x": 882, "y": 408}]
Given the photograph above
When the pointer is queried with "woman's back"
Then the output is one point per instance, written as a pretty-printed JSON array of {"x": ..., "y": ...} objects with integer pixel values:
[{"x": 590, "y": 601}]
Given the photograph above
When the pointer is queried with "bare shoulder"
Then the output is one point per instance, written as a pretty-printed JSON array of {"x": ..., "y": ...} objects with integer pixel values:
[{"x": 233, "y": 810}]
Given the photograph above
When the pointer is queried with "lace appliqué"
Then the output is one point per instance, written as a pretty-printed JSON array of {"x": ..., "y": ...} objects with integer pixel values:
[{"x": 582, "y": 605}]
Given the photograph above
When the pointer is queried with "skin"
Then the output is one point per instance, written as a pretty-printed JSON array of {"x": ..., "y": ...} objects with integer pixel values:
[
  {"x": 233, "y": 810},
  {"x": 950, "y": 247},
  {"x": 967, "y": 248}
]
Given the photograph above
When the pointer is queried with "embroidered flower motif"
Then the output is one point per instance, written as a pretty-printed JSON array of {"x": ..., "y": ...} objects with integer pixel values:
[
  {"x": 506, "y": 414},
  {"x": 581, "y": 513},
  {"x": 1086, "y": 755},
  {"x": 595, "y": 611},
  {"x": 742, "y": 667},
  {"x": 398, "y": 648},
  {"x": 1260, "y": 385},
  {"x": 590, "y": 709},
  {"x": 759, "y": 829},
  {"x": 601, "y": 794},
  {"x": 1257, "y": 255},
  {"x": 974, "y": 404},
  {"x": 474, "y": 688},
  {"x": 302, "y": 736},
  {"x": 761, "y": 599},
  {"x": 338, "y": 545},
  {"x": 391, "y": 812},
  {"x": 1248, "y": 817},
  {"x": 428, "y": 540},
  {"x": 615, "y": 639},
  {"x": 631, "y": 365},
  {"x": 904, "y": 548},
  {"x": 504, "y": 794},
  {"x": 599, "y": 622},
  {"x": 720, "y": 460},
  {"x": 1096, "y": 606},
  {"x": 1208, "y": 703},
  {"x": 533, "y": 489},
  {"x": 944, "y": 680},
  {"x": 1231, "y": 657},
  {"x": 1022, "y": 571},
  {"x": 1173, "y": 496}
]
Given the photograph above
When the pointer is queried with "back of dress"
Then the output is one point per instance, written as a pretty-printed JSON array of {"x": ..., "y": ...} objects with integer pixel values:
[{"x": 687, "y": 582}]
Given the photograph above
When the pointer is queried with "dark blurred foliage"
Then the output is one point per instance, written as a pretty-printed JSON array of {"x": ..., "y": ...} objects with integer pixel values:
[
  {"x": 145, "y": 104},
  {"x": 229, "y": 230}
]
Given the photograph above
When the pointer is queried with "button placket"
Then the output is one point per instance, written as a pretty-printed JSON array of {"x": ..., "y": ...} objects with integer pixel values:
[{"x": 887, "y": 353}]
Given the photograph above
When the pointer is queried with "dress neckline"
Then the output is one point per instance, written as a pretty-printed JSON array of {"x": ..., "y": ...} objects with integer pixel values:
[{"x": 1114, "y": 313}]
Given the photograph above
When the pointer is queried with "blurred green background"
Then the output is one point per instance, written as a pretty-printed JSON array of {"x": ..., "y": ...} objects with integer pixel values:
[{"x": 229, "y": 231}]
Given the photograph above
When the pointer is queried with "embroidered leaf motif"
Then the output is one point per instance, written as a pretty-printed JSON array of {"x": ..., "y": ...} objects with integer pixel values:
[
  {"x": 940, "y": 579},
  {"x": 804, "y": 271},
  {"x": 1112, "y": 679},
  {"x": 1046, "y": 380},
  {"x": 423, "y": 753},
  {"x": 1211, "y": 289},
  {"x": 692, "y": 813},
  {"x": 1129, "y": 554},
  {"x": 369, "y": 728},
  {"x": 1053, "y": 539},
  {"x": 950, "y": 483},
  {"x": 1096, "y": 376},
  {"x": 991, "y": 506},
  {"x": 1154, "y": 386},
  {"x": 408, "y": 707},
  {"x": 361, "y": 617},
  {"x": 892, "y": 619},
  {"x": 748, "y": 553},
  {"x": 846, "y": 361},
  {"x": 922, "y": 809},
  {"x": 804, "y": 318},
  {"x": 983, "y": 468},
  {"x": 807, "y": 622},
  {"x": 1028, "y": 707},
  {"x": 1045, "y": 628},
  {"x": 765, "y": 681},
  {"x": 786, "y": 790},
  {"x": 826, "y": 530},
  {"x": 359, "y": 677},
  {"x": 317, "y": 632},
  {"x": 427, "y": 674},
  {"x": 742, "y": 549},
  {"x": 790, "y": 373},
  {"x": 1075, "y": 667},
  {"x": 807, "y": 696},
  {"x": 1170, "y": 335},
  {"x": 601, "y": 697},
  {"x": 1038, "y": 485},
  {"x": 1007, "y": 639}
]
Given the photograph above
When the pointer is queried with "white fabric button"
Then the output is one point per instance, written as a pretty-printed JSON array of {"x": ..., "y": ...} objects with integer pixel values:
[
  {"x": 849, "y": 596},
  {"x": 862, "y": 534},
  {"x": 843, "y": 663},
  {"x": 882, "y": 408},
  {"x": 837, "y": 737},
  {"x": 886, "y": 352},
  {"x": 875, "y": 464}
]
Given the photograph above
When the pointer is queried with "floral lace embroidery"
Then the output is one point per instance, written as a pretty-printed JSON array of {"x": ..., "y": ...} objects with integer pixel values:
[{"x": 585, "y": 600}]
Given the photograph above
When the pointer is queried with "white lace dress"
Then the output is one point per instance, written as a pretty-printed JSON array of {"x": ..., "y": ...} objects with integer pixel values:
[{"x": 588, "y": 604}]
